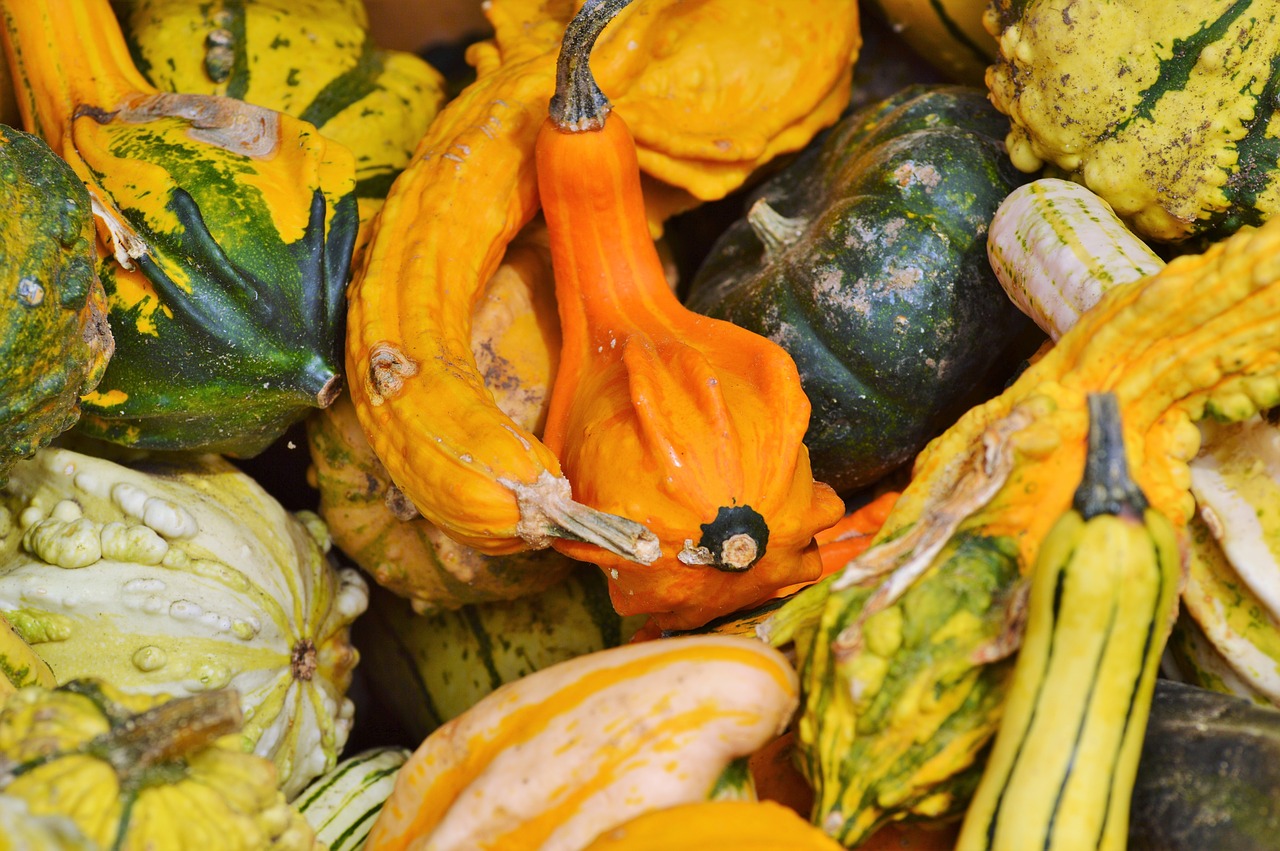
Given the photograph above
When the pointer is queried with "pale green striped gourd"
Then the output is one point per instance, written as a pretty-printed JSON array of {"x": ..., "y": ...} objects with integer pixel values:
[{"x": 342, "y": 804}]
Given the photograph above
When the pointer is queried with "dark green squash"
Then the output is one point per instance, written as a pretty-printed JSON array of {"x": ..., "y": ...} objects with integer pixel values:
[
  {"x": 54, "y": 338},
  {"x": 866, "y": 260}
]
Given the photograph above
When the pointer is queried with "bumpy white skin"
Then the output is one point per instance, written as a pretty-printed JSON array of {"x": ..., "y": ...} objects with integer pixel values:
[{"x": 183, "y": 583}]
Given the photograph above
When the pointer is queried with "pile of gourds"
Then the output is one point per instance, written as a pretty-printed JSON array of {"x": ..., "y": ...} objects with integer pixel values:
[{"x": 721, "y": 430}]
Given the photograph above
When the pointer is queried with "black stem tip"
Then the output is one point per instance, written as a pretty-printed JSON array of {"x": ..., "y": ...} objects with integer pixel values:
[{"x": 1106, "y": 487}]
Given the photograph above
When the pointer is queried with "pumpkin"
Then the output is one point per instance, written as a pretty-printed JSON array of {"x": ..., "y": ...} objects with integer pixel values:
[
  {"x": 342, "y": 803},
  {"x": 427, "y": 669},
  {"x": 226, "y": 233},
  {"x": 900, "y": 653},
  {"x": 54, "y": 339},
  {"x": 475, "y": 474},
  {"x": 516, "y": 345},
  {"x": 556, "y": 758},
  {"x": 742, "y": 825},
  {"x": 866, "y": 260},
  {"x": 1167, "y": 115},
  {"x": 706, "y": 418},
  {"x": 376, "y": 102},
  {"x": 138, "y": 772},
  {"x": 179, "y": 576}
]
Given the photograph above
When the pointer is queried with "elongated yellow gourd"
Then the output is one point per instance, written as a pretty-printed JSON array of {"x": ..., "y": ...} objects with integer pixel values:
[
  {"x": 1104, "y": 595},
  {"x": 554, "y": 759}
]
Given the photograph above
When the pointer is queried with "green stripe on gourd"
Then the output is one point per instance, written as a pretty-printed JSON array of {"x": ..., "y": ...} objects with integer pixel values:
[
  {"x": 448, "y": 660},
  {"x": 1169, "y": 115},
  {"x": 342, "y": 804}
]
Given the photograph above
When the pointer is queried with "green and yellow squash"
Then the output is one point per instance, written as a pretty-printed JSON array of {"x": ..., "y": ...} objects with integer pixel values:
[
  {"x": 143, "y": 772},
  {"x": 312, "y": 59},
  {"x": 226, "y": 237},
  {"x": 341, "y": 804},
  {"x": 54, "y": 338},
  {"x": 180, "y": 576},
  {"x": 900, "y": 653},
  {"x": 1164, "y": 109},
  {"x": 866, "y": 260}
]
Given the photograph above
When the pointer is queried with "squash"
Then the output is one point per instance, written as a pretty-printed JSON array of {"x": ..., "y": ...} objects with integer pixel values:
[
  {"x": 1167, "y": 115},
  {"x": 138, "y": 772},
  {"x": 1104, "y": 593},
  {"x": 947, "y": 34},
  {"x": 20, "y": 665},
  {"x": 689, "y": 425},
  {"x": 899, "y": 653},
  {"x": 1056, "y": 248},
  {"x": 1209, "y": 776},
  {"x": 342, "y": 803},
  {"x": 20, "y": 830},
  {"x": 516, "y": 345},
  {"x": 476, "y": 475},
  {"x": 556, "y": 758},
  {"x": 179, "y": 576},
  {"x": 376, "y": 102},
  {"x": 740, "y": 825},
  {"x": 226, "y": 233},
  {"x": 865, "y": 259},
  {"x": 428, "y": 669},
  {"x": 54, "y": 338}
]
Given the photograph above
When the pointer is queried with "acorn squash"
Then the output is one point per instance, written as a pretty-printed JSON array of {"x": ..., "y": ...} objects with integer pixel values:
[
  {"x": 866, "y": 260},
  {"x": 54, "y": 338},
  {"x": 178, "y": 576}
]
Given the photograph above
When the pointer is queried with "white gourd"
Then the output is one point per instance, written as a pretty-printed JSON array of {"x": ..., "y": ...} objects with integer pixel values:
[{"x": 180, "y": 576}]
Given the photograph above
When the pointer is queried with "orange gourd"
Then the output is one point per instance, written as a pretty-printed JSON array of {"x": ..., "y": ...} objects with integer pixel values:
[
  {"x": 709, "y": 825},
  {"x": 689, "y": 425}
]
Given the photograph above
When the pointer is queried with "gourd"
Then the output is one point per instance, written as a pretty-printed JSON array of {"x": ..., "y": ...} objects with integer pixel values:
[
  {"x": 1167, "y": 117},
  {"x": 948, "y": 34},
  {"x": 865, "y": 259},
  {"x": 1209, "y": 775},
  {"x": 689, "y": 425},
  {"x": 1104, "y": 594},
  {"x": 556, "y": 758},
  {"x": 742, "y": 825},
  {"x": 225, "y": 236},
  {"x": 22, "y": 831},
  {"x": 342, "y": 803},
  {"x": 138, "y": 772},
  {"x": 428, "y": 669},
  {"x": 1056, "y": 248},
  {"x": 180, "y": 575},
  {"x": 20, "y": 665},
  {"x": 516, "y": 345},
  {"x": 476, "y": 475},
  {"x": 376, "y": 102},
  {"x": 899, "y": 653},
  {"x": 54, "y": 338}
]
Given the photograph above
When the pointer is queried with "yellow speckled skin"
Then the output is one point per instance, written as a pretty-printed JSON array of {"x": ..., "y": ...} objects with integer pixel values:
[{"x": 1159, "y": 106}]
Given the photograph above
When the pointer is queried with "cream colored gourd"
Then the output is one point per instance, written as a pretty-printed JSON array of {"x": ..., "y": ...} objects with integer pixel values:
[
  {"x": 554, "y": 759},
  {"x": 182, "y": 576}
]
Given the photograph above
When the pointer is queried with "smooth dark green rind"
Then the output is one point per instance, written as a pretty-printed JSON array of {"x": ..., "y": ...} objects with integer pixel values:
[
  {"x": 46, "y": 277},
  {"x": 886, "y": 301},
  {"x": 1209, "y": 776}
]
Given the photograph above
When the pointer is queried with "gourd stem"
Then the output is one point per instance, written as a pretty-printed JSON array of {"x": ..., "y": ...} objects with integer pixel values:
[
  {"x": 774, "y": 230},
  {"x": 1106, "y": 487},
  {"x": 168, "y": 732},
  {"x": 578, "y": 104},
  {"x": 547, "y": 510}
]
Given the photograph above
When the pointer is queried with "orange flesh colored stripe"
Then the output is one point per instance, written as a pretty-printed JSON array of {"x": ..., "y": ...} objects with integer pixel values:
[{"x": 677, "y": 695}]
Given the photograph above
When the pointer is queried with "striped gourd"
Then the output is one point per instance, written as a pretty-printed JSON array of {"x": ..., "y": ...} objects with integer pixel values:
[
  {"x": 430, "y": 668},
  {"x": 1104, "y": 592},
  {"x": 556, "y": 758},
  {"x": 1165, "y": 109},
  {"x": 947, "y": 33},
  {"x": 342, "y": 804},
  {"x": 1056, "y": 248}
]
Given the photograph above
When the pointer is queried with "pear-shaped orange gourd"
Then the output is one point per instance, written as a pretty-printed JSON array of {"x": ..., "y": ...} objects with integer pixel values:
[{"x": 689, "y": 425}]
